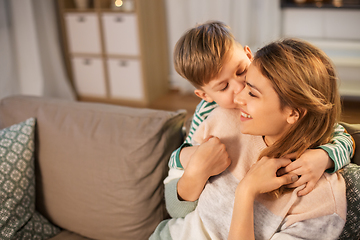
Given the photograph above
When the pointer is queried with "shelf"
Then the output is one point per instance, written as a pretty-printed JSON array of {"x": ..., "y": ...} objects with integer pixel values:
[
  {"x": 128, "y": 6},
  {"x": 321, "y": 4},
  {"x": 116, "y": 56}
]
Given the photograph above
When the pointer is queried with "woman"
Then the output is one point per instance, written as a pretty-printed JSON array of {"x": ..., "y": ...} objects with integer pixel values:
[
  {"x": 303, "y": 81},
  {"x": 290, "y": 104}
]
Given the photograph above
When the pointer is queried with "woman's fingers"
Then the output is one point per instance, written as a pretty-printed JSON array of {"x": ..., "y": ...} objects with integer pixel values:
[
  {"x": 281, "y": 163},
  {"x": 298, "y": 183},
  {"x": 288, "y": 178}
]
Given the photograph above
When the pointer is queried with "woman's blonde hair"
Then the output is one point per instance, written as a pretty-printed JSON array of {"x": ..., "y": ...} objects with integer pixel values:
[
  {"x": 200, "y": 53},
  {"x": 305, "y": 80}
]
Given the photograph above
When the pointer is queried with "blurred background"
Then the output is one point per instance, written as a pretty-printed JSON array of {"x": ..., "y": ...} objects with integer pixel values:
[{"x": 121, "y": 51}]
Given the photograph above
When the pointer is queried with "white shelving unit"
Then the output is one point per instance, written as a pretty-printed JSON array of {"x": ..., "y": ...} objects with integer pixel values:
[{"x": 115, "y": 55}]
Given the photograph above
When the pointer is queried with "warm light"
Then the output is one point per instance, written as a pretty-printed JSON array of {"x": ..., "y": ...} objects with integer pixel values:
[
  {"x": 118, "y": 3},
  {"x": 337, "y": 3}
]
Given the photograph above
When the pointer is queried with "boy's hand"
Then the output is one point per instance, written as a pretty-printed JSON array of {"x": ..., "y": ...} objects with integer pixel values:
[
  {"x": 310, "y": 166},
  {"x": 209, "y": 159}
]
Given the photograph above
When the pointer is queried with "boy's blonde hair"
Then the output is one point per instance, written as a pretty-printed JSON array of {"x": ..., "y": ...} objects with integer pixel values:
[
  {"x": 200, "y": 53},
  {"x": 305, "y": 80}
]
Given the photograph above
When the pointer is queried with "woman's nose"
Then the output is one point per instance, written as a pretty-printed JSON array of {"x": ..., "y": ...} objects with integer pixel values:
[{"x": 239, "y": 98}]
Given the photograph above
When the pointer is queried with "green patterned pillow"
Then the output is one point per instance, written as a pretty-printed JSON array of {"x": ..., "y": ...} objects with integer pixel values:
[
  {"x": 351, "y": 174},
  {"x": 18, "y": 217}
]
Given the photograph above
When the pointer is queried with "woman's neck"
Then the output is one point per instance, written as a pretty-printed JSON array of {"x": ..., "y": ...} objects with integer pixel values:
[{"x": 268, "y": 141}]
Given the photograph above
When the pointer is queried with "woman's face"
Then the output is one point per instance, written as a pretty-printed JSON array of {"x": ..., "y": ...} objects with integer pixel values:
[{"x": 260, "y": 108}]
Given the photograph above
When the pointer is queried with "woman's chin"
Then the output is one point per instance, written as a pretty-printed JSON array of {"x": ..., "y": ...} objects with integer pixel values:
[{"x": 245, "y": 131}]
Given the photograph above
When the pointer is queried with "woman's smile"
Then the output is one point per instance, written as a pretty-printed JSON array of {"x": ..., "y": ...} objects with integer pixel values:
[{"x": 245, "y": 115}]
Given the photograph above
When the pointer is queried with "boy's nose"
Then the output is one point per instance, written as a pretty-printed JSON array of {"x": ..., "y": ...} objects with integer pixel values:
[{"x": 239, "y": 86}]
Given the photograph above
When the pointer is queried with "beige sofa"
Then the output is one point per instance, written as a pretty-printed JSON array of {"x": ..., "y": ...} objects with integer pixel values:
[{"x": 99, "y": 167}]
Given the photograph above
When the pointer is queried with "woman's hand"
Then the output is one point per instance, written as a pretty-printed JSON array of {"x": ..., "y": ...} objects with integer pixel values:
[{"x": 262, "y": 176}]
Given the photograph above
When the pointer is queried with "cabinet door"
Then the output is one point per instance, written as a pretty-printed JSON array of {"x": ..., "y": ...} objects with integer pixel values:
[
  {"x": 125, "y": 79},
  {"x": 83, "y": 32},
  {"x": 121, "y": 33},
  {"x": 89, "y": 76}
]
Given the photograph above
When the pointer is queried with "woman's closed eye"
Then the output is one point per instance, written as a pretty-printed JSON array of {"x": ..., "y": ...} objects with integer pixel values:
[
  {"x": 250, "y": 87},
  {"x": 251, "y": 94}
]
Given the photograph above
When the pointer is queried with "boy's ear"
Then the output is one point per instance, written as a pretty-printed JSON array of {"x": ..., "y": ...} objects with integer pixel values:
[
  {"x": 201, "y": 94},
  {"x": 248, "y": 53}
]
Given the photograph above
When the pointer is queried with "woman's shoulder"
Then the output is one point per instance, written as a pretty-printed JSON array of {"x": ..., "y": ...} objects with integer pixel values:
[
  {"x": 337, "y": 187},
  {"x": 322, "y": 210},
  {"x": 327, "y": 198}
]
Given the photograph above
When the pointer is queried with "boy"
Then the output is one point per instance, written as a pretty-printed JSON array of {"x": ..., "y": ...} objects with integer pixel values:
[{"x": 209, "y": 57}]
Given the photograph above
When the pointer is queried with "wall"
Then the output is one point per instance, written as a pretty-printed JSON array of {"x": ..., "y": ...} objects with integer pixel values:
[
  {"x": 256, "y": 22},
  {"x": 335, "y": 31},
  {"x": 30, "y": 58}
]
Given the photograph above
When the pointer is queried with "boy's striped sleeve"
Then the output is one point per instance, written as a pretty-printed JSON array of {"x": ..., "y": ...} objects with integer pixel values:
[
  {"x": 341, "y": 148},
  {"x": 203, "y": 109}
]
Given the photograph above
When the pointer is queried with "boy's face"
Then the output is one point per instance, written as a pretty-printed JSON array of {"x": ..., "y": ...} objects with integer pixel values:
[{"x": 230, "y": 80}]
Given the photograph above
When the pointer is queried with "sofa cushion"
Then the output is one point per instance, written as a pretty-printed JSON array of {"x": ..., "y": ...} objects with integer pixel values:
[
  {"x": 66, "y": 235},
  {"x": 18, "y": 217},
  {"x": 100, "y": 166},
  {"x": 351, "y": 174}
]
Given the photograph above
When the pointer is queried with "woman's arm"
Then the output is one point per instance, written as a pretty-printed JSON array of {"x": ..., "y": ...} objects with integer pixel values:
[
  {"x": 242, "y": 223},
  {"x": 261, "y": 178},
  {"x": 175, "y": 206}
]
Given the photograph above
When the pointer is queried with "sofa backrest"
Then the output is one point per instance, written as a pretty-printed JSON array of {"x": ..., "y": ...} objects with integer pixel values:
[
  {"x": 99, "y": 167},
  {"x": 354, "y": 131}
]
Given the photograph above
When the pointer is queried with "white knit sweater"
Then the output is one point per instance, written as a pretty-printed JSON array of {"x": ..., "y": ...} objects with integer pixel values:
[{"x": 318, "y": 215}]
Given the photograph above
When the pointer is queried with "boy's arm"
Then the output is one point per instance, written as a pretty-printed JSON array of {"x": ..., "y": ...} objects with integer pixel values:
[
  {"x": 203, "y": 109},
  {"x": 175, "y": 206},
  {"x": 313, "y": 162},
  {"x": 340, "y": 149},
  {"x": 183, "y": 187},
  {"x": 209, "y": 159}
]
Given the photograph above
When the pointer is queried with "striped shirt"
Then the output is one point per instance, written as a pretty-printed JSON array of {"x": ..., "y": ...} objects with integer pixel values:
[{"x": 340, "y": 149}]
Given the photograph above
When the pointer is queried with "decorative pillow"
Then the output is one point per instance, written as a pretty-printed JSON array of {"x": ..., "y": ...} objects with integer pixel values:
[
  {"x": 351, "y": 174},
  {"x": 18, "y": 218}
]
